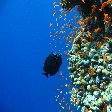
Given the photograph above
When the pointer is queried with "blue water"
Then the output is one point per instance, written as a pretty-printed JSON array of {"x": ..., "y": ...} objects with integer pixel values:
[{"x": 24, "y": 45}]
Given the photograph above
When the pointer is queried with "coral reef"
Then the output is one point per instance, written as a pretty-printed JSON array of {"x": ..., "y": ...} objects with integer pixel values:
[
  {"x": 91, "y": 71},
  {"x": 90, "y": 58}
]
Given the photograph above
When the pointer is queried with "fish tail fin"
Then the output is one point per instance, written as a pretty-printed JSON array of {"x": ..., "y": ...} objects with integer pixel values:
[{"x": 45, "y": 74}]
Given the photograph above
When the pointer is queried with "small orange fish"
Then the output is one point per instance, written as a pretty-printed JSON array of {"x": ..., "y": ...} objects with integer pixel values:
[
  {"x": 95, "y": 18},
  {"x": 90, "y": 71},
  {"x": 67, "y": 11},
  {"x": 67, "y": 107},
  {"x": 103, "y": 5},
  {"x": 109, "y": 1},
  {"x": 73, "y": 91},
  {"x": 56, "y": 33},
  {"x": 106, "y": 17},
  {"x": 105, "y": 38},
  {"x": 79, "y": 9},
  {"x": 105, "y": 108},
  {"x": 80, "y": 22},
  {"x": 99, "y": 44},
  {"x": 81, "y": 29},
  {"x": 107, "y": 23},
  {"x": 72, "y": 111},
  {"x": 93, "y": 8},
  {"x": 51, "y": 24},
  {"x": 96, "y": 30},
  {"x": 94, "y": 87},
  {"x": 86, "y": 110},
  {"x": 75, "y": 17},
  {"x": 54, "y": 13},
  {"x": 77, "y": 45},
  {"x": 81, "y": 38},
  {"x": 83, "y": 88},
  {"x": 76, "y": 66},
  {"x": 105, "y": 47},
  {"x": 87, "y": 19},
  {"x": 73, "y": 35},
  {"x": 70, "y": 25},
  {"x": 82, "y": 71},
  {"x": 102, "y": 99},
  {"x": 91, "y": 39},
  {"x": 83, "y": 1},
  {"x": 83, "y": 54},
  {"x": 89, "y": 33},
  {"x": 104, "y": 57},
  {"x": 61, "y": 73}
]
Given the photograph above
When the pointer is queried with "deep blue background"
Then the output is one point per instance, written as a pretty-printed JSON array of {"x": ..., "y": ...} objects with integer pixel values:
[{"x": 24, "y": 45}]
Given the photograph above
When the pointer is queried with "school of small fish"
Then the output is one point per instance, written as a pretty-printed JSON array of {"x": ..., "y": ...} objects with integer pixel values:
[{"x": 90, "y": 62}]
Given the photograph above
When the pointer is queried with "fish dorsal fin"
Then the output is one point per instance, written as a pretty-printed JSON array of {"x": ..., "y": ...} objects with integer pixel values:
[{"x": 45, "y": 74}]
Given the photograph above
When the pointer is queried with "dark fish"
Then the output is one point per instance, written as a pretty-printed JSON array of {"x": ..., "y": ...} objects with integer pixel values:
[{"x": 52, "y": 64}]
